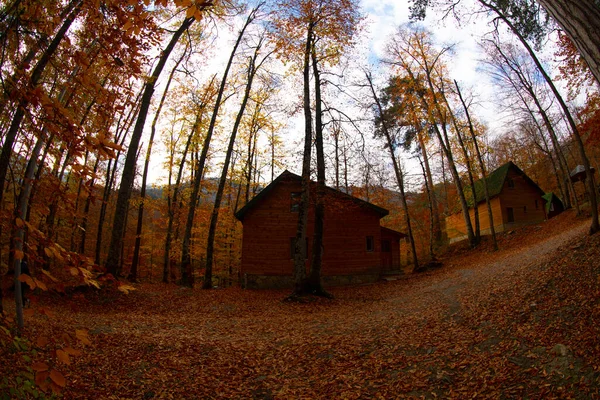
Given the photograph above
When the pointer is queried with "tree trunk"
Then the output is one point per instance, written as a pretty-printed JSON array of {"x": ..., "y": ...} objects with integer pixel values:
[
  {"x": 397, "y": 171},
  {"x": 187, "y": 277},
  {"x": 300, "y": 242},
  {"x": 140, "y": 221},
  {"x": 313, "y": 282},
  {"x": 580, "y": 19},
  {"x": 252, "y": 68},
  {"x": 113, "y": 264},
  {"x": 437, "y": 227},
  {"x": 481, "y": 167},
  {"x": 19, "y": 228}
]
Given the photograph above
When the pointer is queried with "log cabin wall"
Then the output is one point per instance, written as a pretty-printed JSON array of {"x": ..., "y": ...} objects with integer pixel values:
[{"x": 270, "y": 226}]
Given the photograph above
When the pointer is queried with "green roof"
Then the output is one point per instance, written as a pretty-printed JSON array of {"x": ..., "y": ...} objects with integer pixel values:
[{"x": 495, "y": 182}]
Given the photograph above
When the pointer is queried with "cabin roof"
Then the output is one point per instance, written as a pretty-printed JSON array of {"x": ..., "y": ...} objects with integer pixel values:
[
  {"x": 289, "y": 175},
  {"x": 495, "y": 182}
]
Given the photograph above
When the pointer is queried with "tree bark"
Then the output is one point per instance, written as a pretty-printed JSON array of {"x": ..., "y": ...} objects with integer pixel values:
[
  {"x": 481, "y": 167},
  {"x": 187, "y": 277},
  {"x": 313, "y": 282},
  {"x": 252, "y": 68},
  {"x": 580, "y": 19},
  {"x": 113, "y": 264},
  {"x": 397, "y": 171}
]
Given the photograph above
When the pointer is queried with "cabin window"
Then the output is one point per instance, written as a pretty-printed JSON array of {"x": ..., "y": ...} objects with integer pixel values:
[
  {"x": 511, "y": 183},
  {"x": 370, "y": 243},
  {"x": 293, "y": 247},
  {"x": 386, "y": 246},
  {"x": 524, "y": 209},
  {"x": 537, "y": 206},
  {"x": 510, "y": 213},
  {"x": 295, "y": 198}
]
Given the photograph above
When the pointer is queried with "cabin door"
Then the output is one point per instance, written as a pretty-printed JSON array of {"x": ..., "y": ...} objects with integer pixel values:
[{"x": 386, "y": 254}]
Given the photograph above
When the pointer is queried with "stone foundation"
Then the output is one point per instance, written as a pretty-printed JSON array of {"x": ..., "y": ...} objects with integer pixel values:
[{"x": 250, "y": 281}]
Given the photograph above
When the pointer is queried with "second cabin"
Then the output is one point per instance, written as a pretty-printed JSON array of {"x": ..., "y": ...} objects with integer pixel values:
[{"x": 516, "y": 201}]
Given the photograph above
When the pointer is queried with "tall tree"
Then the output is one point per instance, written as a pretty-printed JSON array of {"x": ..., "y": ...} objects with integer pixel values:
[
  {"x": 187, "y": 278},
  {"x": 253, "y": 66},
  {"x": 113, "y": 261}
]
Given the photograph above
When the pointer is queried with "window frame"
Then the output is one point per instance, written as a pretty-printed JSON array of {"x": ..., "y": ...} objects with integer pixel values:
[{"x": 370, "y": 241}]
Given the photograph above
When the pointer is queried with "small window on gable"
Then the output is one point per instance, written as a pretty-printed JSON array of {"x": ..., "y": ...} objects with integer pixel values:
[
  {"x": 295, "y": 201},
  {"x": 293, "y": 248},
  {"x": 511, "y": 183},
  {"x": 370, "y": 243}
]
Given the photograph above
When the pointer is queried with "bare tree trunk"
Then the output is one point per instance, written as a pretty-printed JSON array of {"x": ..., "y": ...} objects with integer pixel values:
[
  {"x": 300, "y": 250},
  {"x": 397, "y": 171},
  {"x": 481, "y": 167},
  {"x": 19, "y": 228},
  {"x": 23, "y": 103},
  {"x": 252, "y": 68},
  {"x": 313, "y": 282},
  {"x": 113, "y": 264},
  {"x": 436, "y": 225},
  {"x": 580, "y": 19},
  {"x": 140, "y": 220},
  {"x": 187, "y": 277}
]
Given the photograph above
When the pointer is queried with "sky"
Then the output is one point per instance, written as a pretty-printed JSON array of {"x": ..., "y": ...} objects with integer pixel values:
[{"x": 382, "y": 19}]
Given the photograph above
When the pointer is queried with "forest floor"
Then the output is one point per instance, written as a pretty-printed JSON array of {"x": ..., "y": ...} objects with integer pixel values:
[{"x": 522, "y": 322}]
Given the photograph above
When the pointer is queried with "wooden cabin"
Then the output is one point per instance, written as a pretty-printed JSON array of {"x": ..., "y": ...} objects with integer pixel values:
[
  {"x": 356, "y": 248},
  {"x": 516, "y": 201}
]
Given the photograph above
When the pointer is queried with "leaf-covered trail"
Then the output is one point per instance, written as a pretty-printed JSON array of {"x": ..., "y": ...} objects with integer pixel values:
[{"x": 513, "y": 324}]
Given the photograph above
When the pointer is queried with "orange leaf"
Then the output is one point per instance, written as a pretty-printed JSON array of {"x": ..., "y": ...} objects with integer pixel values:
[
  {"x": 28, "y": 312},
  {"x": 19, "y": 255},
  {"x": 74, "y": 271},
  {"x": 27, "y": 279},
  {"x": 40, "y": 377},
  {"x": 42, "y": 341},
  {"x": 40, "y": 284},
  {"x": 39, "y": 366},
  {"x": 19, "y": 222},
  {"x": 82, "y": 336},
  {"x": 190, "y": 12},
  {"x": 72, "y": 351},
  {"x": 63, "y": 356},
  {"x": 58, "y": 378},
  {"x": 48, "y": 252}
]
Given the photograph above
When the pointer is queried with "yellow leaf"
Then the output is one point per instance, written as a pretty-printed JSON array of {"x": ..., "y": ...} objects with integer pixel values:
[
  {"x": 63, "y": 356},
  {"x": 126, "y": 288},
  {"x": 74, "y": 271},
  {"x": 39, "y": 366},
  {"x": 48, "y": 252},
  {"x": 27, "y": 279},
  {"x": 58, "y": 378},
  {"x": 49, "y": 275}
]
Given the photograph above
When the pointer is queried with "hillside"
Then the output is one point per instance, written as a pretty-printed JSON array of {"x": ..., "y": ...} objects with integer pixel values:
[{"x": 518, "y": 323}]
